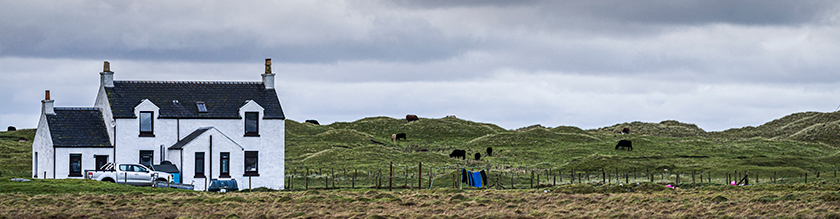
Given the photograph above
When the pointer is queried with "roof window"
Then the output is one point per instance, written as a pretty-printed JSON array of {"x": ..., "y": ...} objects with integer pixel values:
[{"x": 201, "y": 107}]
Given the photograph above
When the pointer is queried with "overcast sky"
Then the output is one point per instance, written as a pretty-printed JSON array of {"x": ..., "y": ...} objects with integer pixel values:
[{"x": 719, "y": 64}]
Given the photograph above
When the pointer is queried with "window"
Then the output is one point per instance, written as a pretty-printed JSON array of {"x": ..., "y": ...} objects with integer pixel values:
[
  {"x": 199, "y": 164},
  {"x": 125, "y": 167},
  {"x": 224, "y": 163},
  {"x": 140, "y": 168},
  {"x": 201, "y": 107},
  {"x": 75, "y": 165},
  {"x": 147, "y": 124},
  {"x": 146, "y": 158},
  {"x": 251, "y": 163},
  {"x": 101, "y": 160},
  {"x": 252, "y": 124}
]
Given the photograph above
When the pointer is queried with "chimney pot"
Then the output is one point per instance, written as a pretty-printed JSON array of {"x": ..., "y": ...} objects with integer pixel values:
[
  {"x": 268, "y": 65},
  {"x": 47, "y": 95},
  {"x": 107, "y": 66}
]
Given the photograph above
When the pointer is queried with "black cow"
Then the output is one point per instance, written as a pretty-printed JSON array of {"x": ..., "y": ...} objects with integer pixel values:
[
  {"x": 489, "y": 151},
  {"x": 312, "y": 121},
  {"x": 400, "y": 135},
  {"x": 459, "y": 153},
  {"x": 624, "y": 143},
  {"x": 477, "y": 156},
  {"x": 410, "y": 118},
  {"x": 625, "y": 131},
  {"x": 11, "y": 128}
]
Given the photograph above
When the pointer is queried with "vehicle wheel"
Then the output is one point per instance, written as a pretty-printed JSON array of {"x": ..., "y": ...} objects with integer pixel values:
[{"x": 107, "y": 180}]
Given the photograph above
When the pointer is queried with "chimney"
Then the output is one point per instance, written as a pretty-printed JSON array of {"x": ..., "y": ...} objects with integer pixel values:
[
  {"x": 47, "y": 105},
  {"x": 106, "y": 77},
  {"x": 268, "y": 77}
]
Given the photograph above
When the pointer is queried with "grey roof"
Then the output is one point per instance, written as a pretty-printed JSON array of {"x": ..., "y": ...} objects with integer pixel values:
[
  {"x": 78, "y": 127},
  {"x": 186, "y": 140},
  {"x": 177, "y": 99},
  {"x": 166, "y": 166}
]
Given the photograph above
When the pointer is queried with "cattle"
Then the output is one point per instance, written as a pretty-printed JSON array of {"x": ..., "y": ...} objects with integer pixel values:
[
  {"x": 459, "y": 153},
  {"x": 397, "y": 136},
  {"x": 477, "y": 156},
  {"x": 410, "y": 118},
  {"x": 625, "y": 131},
  {"x": 11, "y": 128},
  {"x": 312, "y": 121},
  {"x": 624, "y": 144},
  {"x": 489, "y": 151}
]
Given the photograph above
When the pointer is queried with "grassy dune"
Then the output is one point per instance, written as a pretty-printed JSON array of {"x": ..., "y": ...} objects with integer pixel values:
[{"x": 793, "y": 145}]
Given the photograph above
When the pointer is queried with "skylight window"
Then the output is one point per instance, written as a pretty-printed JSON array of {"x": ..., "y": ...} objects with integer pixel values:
[{"x": 201, "y": 107}]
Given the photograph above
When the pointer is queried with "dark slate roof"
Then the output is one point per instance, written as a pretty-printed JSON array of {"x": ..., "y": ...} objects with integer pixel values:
[
  {"x": 180, "y": 144},
  {"x": 223, "y": 99},
  {"x": 166, "y": 166},
  {"x": 78, "y": 127}
]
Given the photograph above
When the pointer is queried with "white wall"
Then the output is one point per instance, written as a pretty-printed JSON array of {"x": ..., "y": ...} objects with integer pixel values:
[
  {"x": 270, "y": 144},
  {"x": 62, "y": 158},
  {"x": 43, "y": 146}
]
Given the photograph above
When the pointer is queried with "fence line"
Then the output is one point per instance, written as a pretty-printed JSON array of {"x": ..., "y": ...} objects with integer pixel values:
[{"x": 428, "y": 176}]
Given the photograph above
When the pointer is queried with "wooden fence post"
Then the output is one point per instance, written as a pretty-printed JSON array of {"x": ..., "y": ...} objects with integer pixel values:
[
  {"x": 391, "y": 177},
  {"x": 603, "y": 176},
  {"x": 419, "y": 175}
]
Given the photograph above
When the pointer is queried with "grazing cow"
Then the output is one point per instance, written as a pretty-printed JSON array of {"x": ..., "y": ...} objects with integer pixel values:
[
  {"x": 410, "y": 118},
  {"x": 312, "y": 121},
  {"x": 11, "y": 128},
  {"x": 399, "y": 135},
  {"x": 393, "y": 137},
  {"x": 459, "y": 153},
  {"x": 489, "y": 151},
  {"x": 625, "y": 131},
  {"x": 477, "y": 156},
  {"x": 624, "y": 144}
]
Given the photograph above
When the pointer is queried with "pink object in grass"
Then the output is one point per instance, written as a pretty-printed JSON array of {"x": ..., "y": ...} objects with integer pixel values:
[
  {"x": 669, "y": 186},
  {"x": 733, "y": 183}
]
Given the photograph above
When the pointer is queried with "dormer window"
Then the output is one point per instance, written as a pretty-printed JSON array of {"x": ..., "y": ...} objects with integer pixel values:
[
  {"x": 201, "y": 107},
  {"x": 147, "y": 128},
  {"x": 252, "y": 124}
]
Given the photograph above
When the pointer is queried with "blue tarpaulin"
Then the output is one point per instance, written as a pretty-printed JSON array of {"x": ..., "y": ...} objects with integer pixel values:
[
  {"x": 472, "y": 178},
  {"x": 476, "y": 179}
]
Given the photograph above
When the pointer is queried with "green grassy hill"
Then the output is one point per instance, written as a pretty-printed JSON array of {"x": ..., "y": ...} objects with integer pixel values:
[
  {"x": 798, "y": 143},
  {"x": 16, "y": 155}
]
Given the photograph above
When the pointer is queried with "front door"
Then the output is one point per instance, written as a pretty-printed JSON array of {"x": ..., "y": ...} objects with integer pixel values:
[
  {"x": 146, "y": 158},
  {"x": 101, "y": 160}
]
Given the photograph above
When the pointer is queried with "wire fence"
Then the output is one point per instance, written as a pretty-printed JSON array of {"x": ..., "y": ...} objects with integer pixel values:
[{"x": 422, "y": 176}]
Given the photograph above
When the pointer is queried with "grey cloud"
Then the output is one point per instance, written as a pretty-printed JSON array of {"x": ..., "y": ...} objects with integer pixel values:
[{"x": 692, "y": 12}]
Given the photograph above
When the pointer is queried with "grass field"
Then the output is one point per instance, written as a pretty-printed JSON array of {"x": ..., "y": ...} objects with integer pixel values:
[
  {"x": 780, "y": 154},
  {"x": 92, "y": 199},
  {"x": 789, "y": 148}
]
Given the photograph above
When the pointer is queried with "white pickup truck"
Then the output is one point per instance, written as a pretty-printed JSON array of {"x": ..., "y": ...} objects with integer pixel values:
[{"x": 131, "y": 174}]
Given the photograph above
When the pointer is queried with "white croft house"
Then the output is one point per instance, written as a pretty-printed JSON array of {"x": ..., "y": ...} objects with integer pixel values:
[{"x": 205, "y": 129}]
